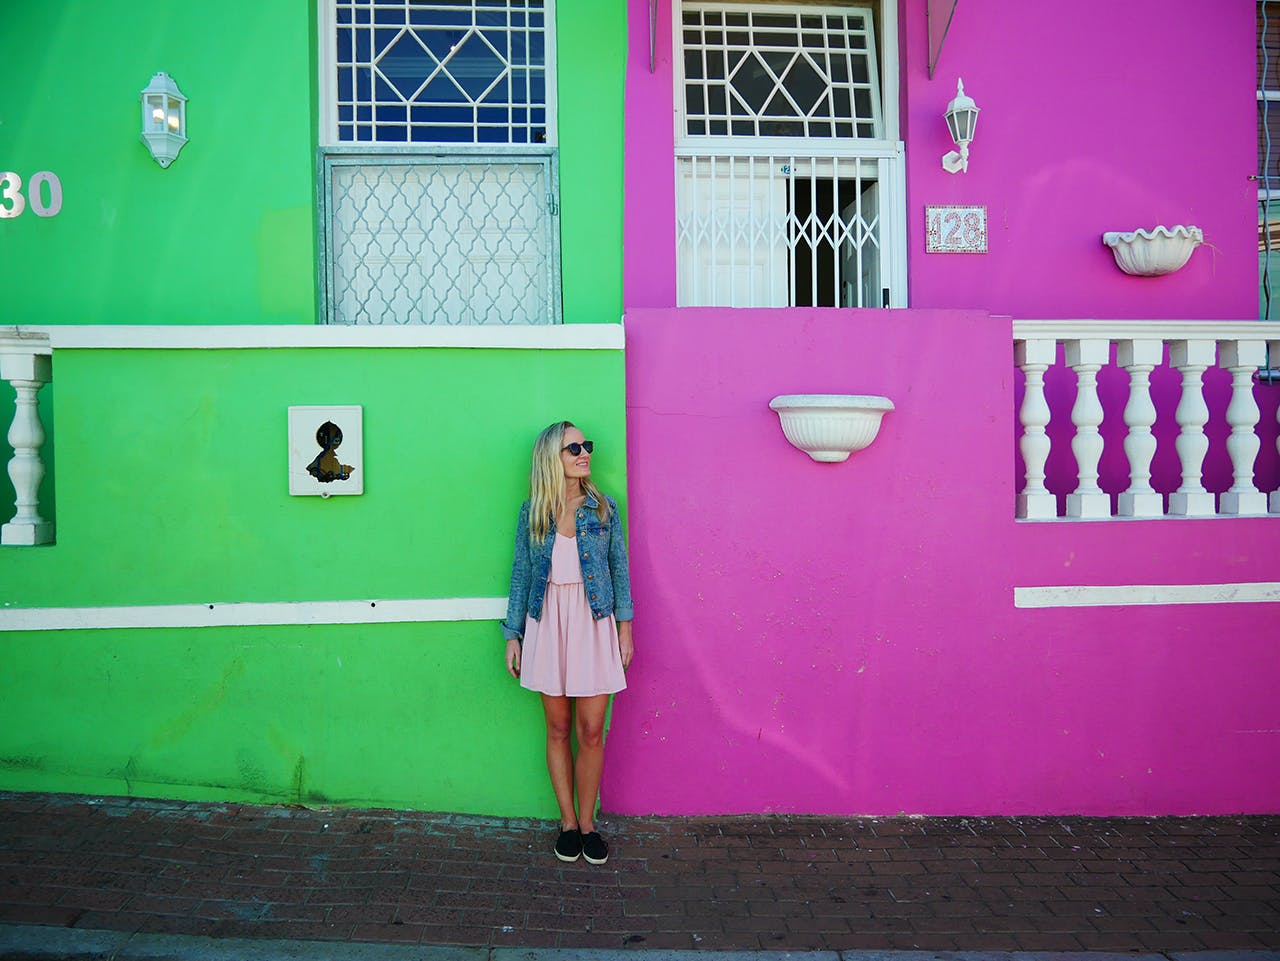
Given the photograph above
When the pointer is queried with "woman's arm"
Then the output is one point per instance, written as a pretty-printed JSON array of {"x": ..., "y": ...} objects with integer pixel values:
[
  {"x": 622, "y": 606},
  {"x": 518, "y": 594}
]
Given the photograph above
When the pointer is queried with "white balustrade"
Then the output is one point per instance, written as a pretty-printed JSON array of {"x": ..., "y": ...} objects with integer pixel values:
[
  {"x": 1139, "y": 349},
  {"x": 26, "y": 364}
]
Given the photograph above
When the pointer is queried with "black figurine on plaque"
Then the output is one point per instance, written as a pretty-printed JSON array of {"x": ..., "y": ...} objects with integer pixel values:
[{"x": 326, "y": 468}]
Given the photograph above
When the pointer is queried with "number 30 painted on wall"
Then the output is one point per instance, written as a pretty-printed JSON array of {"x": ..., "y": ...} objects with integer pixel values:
[{"x": 12, "y": 202}]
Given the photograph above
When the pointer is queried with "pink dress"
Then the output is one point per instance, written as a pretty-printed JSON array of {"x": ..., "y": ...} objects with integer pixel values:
[{"x": 569, "y": 652}]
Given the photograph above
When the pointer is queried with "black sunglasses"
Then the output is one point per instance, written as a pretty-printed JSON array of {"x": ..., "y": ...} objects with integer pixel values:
[{"x": 575, "y": 448}]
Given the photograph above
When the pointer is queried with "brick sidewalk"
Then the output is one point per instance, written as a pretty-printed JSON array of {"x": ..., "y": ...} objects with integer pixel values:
[{"x": 797, "y": 883}]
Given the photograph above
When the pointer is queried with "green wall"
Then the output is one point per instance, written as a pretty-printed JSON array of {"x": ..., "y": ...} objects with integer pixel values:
[
  {"x": 171, "y": 484},
  {"x": 591, "y": 37},
  {"x": 177, "y": 492},
  {"x": 227, "y": 234}
]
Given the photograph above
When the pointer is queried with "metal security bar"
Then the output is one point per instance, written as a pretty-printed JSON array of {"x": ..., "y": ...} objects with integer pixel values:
[
  {"x": 441, "y": 71},
  {"x": 441, "y": 240},
  {"x": 783, "y": 229}
]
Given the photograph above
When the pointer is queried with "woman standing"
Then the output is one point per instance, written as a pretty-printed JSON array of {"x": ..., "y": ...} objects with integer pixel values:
[{"x": 568, "y": 624}]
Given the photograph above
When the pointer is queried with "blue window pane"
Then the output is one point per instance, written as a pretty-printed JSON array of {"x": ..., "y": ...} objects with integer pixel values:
[
  {"x": 344, "y": 84},
  {"x": 344, "y": 13},
  {"x": 442, "y": 134},
  {"x": 364, "y": 85},
  {"x": 442, "y": 90},
  {"x": 498, "y": 94},
  {"x": 364, "y": 46},
  {"x": 539, "y": 88},
  {"x": 459, "y": 17},
  {"x": 344, "y": 46},
  {"x": 391, "y": 134},
  {"x": 389, "y": 114},
  {"x": 383, "y": 91},
  {"x": 385, "y": 37},
  {"x": 492, "y": 115},
  {"x": 538, "y": 49},
  {"x": 362, "y": 15},
  {"x": 345, "y": 115},
  {"x": 364, "y": 133},
  {"x": 492, "y": 135},
  {"x": 364, "y": 112}
]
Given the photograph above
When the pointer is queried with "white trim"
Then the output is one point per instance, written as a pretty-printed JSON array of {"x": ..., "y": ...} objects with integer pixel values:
[
  {"x": 1146, "y": 329},
  {"x": 253, "y": 615},
  {"x": 1085, "y": 595},
  {"x": 249, "y": 336}
]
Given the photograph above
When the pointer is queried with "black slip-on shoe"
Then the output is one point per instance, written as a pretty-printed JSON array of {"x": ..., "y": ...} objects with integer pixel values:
[
  {"x": 594, "y": 849},
  {"x": 569, "y": 845}
]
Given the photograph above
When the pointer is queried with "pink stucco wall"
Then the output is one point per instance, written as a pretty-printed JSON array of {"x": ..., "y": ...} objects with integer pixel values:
[
  {"x": 1107, "y": 116},
  {"x": 843, "y": 638}
]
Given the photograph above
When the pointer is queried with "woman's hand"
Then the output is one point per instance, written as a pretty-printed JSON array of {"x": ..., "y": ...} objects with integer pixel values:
[
  {"x": 625, "y": 647},
  {"x": 513, "y": 658}
]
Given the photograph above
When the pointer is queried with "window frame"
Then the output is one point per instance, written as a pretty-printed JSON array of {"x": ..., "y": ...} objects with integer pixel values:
[
  {"x": 328, "y": 87},
  {"x": 332, "y": 151},
  {"x": 888, "y": 151}
]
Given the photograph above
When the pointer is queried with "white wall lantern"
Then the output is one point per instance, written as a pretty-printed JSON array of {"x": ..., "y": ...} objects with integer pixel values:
[
  {"x": 962, "y": 120},
  {"x": 164, "y": 118}
]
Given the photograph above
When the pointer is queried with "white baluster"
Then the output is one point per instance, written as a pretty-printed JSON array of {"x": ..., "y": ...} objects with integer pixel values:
[
  {"x": 28, "y": 372},
  {"x": 1243, "y": 358},
  {"x": 1192, "y": 358},
  {"x": 1035, "y": 357},
  {"x": 1139, "y": 358},
  {"x": 1086, "y": 358}
]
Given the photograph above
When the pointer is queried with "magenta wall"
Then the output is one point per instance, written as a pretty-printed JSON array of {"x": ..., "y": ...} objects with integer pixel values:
[
  {"x": 842, "y": 638},
  {"x": 1159, "y": 96}
]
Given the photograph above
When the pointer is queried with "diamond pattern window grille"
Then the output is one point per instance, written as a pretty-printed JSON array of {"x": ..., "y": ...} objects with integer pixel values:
[
  {"x": 441, "y": 71},
  {"x": 470, "y": 241},
  {"x": 771, "y": 71}
]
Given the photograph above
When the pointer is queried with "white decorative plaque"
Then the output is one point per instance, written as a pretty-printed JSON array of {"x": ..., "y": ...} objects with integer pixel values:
[
  {"x": 326, "y": 450},
  {"x": 955, "y": 230}
]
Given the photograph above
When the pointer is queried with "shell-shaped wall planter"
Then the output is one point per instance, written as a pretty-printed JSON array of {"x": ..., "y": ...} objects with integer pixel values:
[
  {"x": 1151, "y": 253},
  {"x": 830, "y": 427}
]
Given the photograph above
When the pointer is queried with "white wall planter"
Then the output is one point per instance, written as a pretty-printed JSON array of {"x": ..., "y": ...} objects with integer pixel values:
[
  {"x": 1151, "y": 253},
  {"x": 830, "y": 427}
]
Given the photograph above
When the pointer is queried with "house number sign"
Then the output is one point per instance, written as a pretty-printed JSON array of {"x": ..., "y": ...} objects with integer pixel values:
[
  {"x": 955, "y": 230},
  {"x": 14, "y": 200}
]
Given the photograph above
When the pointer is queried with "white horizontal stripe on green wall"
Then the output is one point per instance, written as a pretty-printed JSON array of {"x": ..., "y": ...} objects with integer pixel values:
[{"x": 248, "y": 615}]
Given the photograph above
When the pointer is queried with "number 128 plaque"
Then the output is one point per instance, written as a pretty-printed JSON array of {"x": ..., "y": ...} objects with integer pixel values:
[{"x": 955, "y": 230}]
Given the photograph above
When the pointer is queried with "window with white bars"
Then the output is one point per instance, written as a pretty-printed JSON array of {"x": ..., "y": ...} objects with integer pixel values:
[
  {"x": 439, "y": 195},
  {"x": 789, "y": 176}
]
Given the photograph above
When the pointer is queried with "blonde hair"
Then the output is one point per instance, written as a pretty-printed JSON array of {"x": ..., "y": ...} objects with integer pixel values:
[{"x": 546, "y": 483}]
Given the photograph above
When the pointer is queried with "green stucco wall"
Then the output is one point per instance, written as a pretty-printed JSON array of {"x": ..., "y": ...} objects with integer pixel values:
[
  {"x": 170, "y": 483},
  {"x": 227, "y": 234},
  {"x": 177, "y": 492}
]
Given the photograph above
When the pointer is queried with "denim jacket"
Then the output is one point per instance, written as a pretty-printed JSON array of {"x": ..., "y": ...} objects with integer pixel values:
[{"x": 601, "y": 552}]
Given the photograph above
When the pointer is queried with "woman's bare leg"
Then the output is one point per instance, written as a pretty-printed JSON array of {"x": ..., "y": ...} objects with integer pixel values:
[
  {"x": 560, "y": 755},
  {"x": 590, "y": 764}
]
